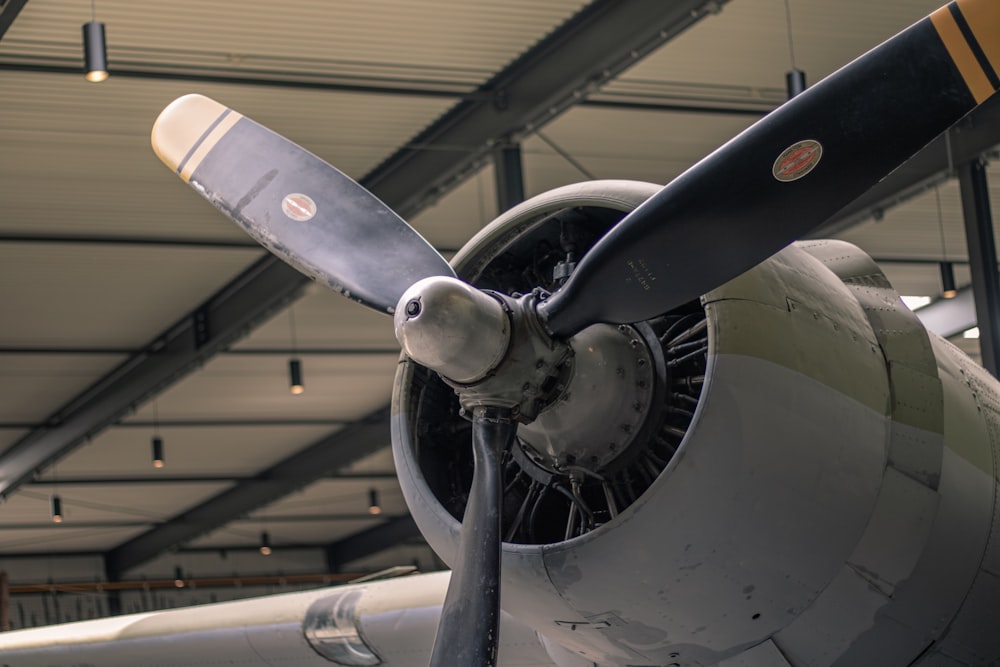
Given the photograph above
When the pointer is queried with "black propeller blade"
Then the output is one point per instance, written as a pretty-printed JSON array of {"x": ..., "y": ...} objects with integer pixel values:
[
  {"x": 468, "y": 632},
  {"x": 303, "y": 210},
  {"x": 787, "y": 174},
  {"x": 329, "y": 227}
]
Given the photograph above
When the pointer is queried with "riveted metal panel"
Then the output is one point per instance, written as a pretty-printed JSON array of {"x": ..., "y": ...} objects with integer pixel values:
[
  {"x": 828, "y": 633},
  {"x": 915, "y": 448},
  {"x": 824, "y": 631},
  {"x": 991, "y": 560},
  {"x": 973, "y": 637},
  {"x": 933, "y": 594},
  {"x": 896, "y": 533}
]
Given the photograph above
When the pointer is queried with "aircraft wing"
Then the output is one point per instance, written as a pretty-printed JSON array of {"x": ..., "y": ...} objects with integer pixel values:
[{"x": 389, "y": 623}]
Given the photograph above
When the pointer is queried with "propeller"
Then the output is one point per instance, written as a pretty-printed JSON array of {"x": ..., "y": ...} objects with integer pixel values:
[
  {"x": 467, "y": 633},
  {"x": 300, "y": 208},
  {"x": 786, "y": 175},
  {"x": 772, "y": 184}
]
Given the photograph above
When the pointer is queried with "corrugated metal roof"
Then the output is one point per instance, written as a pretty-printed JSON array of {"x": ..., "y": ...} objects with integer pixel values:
[
  {"x": 451, "y": 41},
  {"x": 746, "y": 44}
]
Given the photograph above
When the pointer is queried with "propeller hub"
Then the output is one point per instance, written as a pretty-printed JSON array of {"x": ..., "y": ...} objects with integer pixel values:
[{"x": 452, "y": 328}]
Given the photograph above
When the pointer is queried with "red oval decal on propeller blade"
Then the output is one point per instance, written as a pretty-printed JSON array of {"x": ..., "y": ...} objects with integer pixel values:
[
  {"x": 298, "y": 207},
  {"x": 797, "y": 160}
]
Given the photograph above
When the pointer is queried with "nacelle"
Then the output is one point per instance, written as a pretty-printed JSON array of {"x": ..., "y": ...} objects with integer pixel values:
[{"x": 799, "y": 472}]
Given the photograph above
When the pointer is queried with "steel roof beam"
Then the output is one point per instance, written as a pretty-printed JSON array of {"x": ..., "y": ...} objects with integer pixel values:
[
  {"x": 8, "y": 12},
  {"x": 592, "y": 47}
]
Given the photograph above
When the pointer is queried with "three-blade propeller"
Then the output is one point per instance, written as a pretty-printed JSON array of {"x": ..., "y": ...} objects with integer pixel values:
[{"x": 770, "y": 185}]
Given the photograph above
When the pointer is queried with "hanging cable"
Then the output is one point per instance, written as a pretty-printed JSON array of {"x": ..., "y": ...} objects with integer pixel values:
[
  {"x": 948, "y": 289},
  {"x": 95, "y": 56},
  {"x": 795, "y": 79}
]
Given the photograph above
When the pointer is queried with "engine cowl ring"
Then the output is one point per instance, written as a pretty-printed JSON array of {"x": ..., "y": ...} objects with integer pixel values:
[{"x": 564, "y": 479}]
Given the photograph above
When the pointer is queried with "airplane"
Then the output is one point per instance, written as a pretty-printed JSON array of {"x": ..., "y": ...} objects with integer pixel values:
[{"x": 672, "y": 433}]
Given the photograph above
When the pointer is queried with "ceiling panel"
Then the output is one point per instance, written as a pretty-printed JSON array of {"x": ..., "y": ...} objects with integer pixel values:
[
  {"x": 64, "y": 538},
  {"x": 456, "y": 217},
  {"x": 921, "y": 279},
  {"x": 331, "y": 497},
  {"x": 324, "y": 320},
  {"x": 380, "y": 461},
  {"x": 232, "y": 450},
  {"x": 127, "y": 503},
  {"x": 105, "y": 296},
  {"x": 247, "y": 533},
  {"x": 252, "y": 387},
  {"x": 650, "y": 146},
  {"x": 34, "y": 386}
]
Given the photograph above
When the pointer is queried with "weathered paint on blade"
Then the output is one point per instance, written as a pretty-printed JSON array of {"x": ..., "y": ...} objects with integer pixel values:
[{"x": 187, "y": 129}]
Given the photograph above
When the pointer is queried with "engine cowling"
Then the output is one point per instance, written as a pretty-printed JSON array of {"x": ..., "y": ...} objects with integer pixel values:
[{"x": 791, "y": 463}]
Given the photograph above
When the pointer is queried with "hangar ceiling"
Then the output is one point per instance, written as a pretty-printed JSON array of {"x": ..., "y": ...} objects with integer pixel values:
[{"x": 130, "y": 308}]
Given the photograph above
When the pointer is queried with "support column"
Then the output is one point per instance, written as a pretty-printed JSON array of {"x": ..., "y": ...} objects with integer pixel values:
[
  {"x": 4, "y": 602},
  {"x": 982, "y": 259},
  {"x": 113, "y": 597},
  {"x": 509, "y": 176}
]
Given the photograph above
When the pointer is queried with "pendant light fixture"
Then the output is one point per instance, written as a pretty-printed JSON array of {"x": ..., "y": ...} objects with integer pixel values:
[
  {"x": 265, "y": 544},
  {"x": 373, "y": 505},
  {"x": 294, "y": 364},
  {"x": 295, "y": 376},
  {"x": 55, "y": 501},
  {"x": 157, "y": 442},
  {"x": 157, "y": 446},
  {"x": 57, "y": 514},
  {"x": 948, "y": 289},
  {"x": 95, "y": 54}
]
